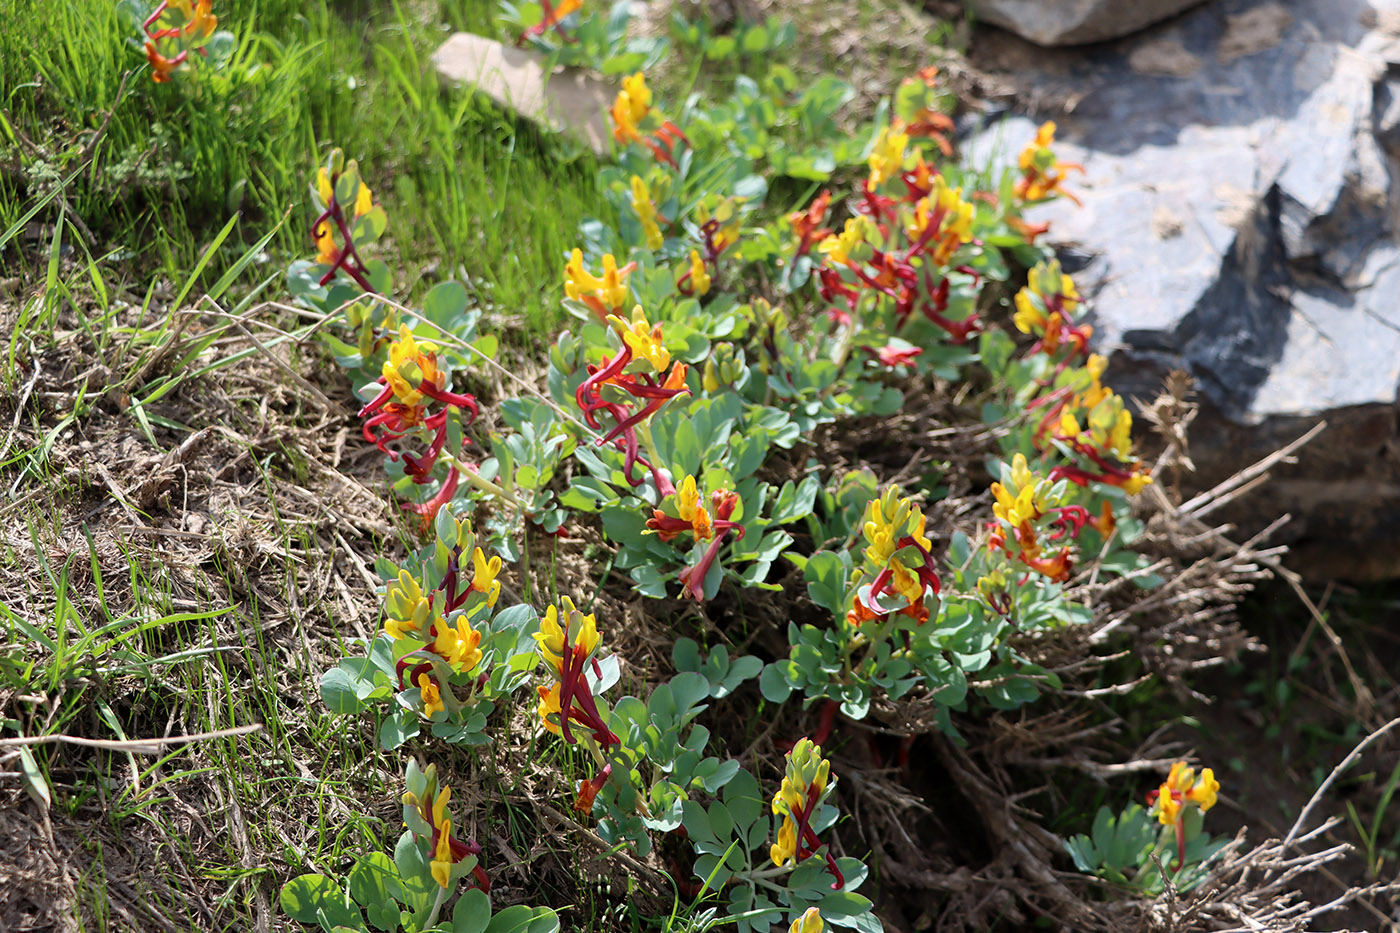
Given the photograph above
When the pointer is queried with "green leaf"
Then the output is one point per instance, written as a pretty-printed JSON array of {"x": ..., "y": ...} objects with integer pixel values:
[
  {"x": 773, "y": 684},
  {"x": 522, "y": 919},
  {"x": 375, "y": 885},
  {"x": 444, "y": 303},
  {"x": 472, "y": 913},
  {"x": 309, "y": 897}
]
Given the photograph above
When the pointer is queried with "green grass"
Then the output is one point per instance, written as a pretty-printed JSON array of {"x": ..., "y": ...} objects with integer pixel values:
[{"x": 161, "y": 168}]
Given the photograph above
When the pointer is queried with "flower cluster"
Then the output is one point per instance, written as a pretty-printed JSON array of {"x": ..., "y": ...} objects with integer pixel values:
[
  {"x": 1046, "y": 308},
  {"x": 347, "y": 220},
  {"x": 174, "y": 30},
  {"x": 806, "y": 785},
  {"x": 554, "y": 14},
  {"x": 1031, "y": 519},
  {"x": 901, "y": 246},
  {"x": 718, "y": 228},
  {"x": 635, "y": 120},
  {"x": 898, "y": 562},
  {"x": 433, "y": 638},
  {"x": 693, "y": 517},
  {"x": 632, "y": 376},
  {"x": 604, "y": 294},
  {"x": 1043, "y": 175},
  {"x": 409, "y": 383},
  {"x": 1181, "y": 789},
  {"x": 426, "y": 816},
  {"x": 568, "y": 648},
  {"x": 1087, "y": 421}
]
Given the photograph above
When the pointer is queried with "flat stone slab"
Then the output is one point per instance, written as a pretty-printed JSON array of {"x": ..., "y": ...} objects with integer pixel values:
[
  {"x": 1241, "y": 221},
  {"x": 568, "y": 100}
]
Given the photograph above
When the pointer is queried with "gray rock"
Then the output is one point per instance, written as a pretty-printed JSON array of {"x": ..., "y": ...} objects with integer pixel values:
[
  {"x": 566, "y": 100},
  {"x": 1240, "y": 222},
  {"x": 1075, "y": 22}
]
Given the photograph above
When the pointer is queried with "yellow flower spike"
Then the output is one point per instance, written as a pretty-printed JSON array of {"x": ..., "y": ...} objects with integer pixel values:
[
  {"x": 442, "y": 858},
  {"x": 887, "y": 158},
  {"x": 432, "y": 697},
  {"x": 323, "y": 185},
  {"x": 1181, "y": 777},
  {"x": 1021, "y": 474},
  {"x": 549, "y": 705},
  {"x": 809, "y": 922},
  {"x": 699, "y": 275},
  {"x": 644, "y": 339},
  {"x": 1206, "y": 790}
]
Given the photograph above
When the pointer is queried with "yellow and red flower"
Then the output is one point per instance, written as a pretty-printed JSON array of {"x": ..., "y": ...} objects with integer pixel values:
[
  {"x": 553, "y": 17},
  {"x": 1182, "y": 789},
  {"x": 605, "y": 294},
  {"x": 610, "y": 390},
  {"x": 807, "y": 783},
  {"x": 692, "y": 516},
  {"x": 635, "y": 121},
  {"x": 567, "y": 642},
  {"x": 426, "y": 816},
  {"x": 1043, "y": 175},
  {"x": 410, "y": 380}
]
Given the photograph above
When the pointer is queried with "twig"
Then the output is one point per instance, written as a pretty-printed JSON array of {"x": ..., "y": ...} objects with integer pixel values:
[
  {"x": 1336, "y": 773},
  {"x": 136, "y": 746}
]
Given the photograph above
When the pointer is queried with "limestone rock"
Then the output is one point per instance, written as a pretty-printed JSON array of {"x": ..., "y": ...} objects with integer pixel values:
[
  {"x": 1242, "y": 222},
  {"x": 568, "y": 100},
  {"x": 1075, "y": 22}
]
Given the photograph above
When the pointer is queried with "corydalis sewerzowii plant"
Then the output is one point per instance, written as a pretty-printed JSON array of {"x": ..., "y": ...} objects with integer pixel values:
[
  {"x": 635, "y": 120},
  {"x": 806, "y": 785},
  {"x": 429, "y": 651},
  {"x": 1046, "y": 307},
  {"x": 410, "y": 891},
  {"x": 898, "y": 562},
  {"x": 1031, "y": 514},
  {"x": 347, "y": 221},
  {"x": 1182, "y": 789},
  {"x": 1130, "y": 848},
  {"x": 175, "y": 29},
  {"x": 632, "y": 376},
  {"x": 693, "y": 517},
  {"x": 426, "y": 816},
  {"x": 898, "y": 252},
  {"x": 1087, "y": 421},
  {"x": 1042, "y": 174},
  {"x": 409, "y": 382},
  {"x": 568, "y": 644}
]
